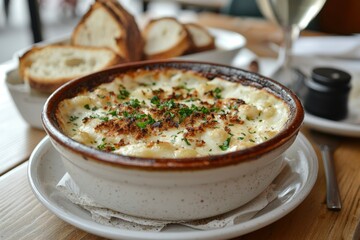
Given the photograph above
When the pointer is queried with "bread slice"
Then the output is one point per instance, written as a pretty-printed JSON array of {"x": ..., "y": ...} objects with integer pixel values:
[
  {"x": 133, "y": 49},
  {"x": 201, "y": 38},
  {"x": 108, "y": 24},
  {"x": 47, "y": 68},
  {"x": 165, "y": 38}
]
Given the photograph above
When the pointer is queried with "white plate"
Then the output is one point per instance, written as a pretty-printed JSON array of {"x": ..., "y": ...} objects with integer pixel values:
[
  {"x": 342, "y": 128},
  {"x": 294, "y": 184}
]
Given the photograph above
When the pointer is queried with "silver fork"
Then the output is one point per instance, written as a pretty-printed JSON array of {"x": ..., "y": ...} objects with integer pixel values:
[{"x": 327, "y": 145}]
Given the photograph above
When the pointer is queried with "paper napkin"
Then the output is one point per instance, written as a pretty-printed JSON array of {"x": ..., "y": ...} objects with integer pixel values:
[{"x": 113, "y": 218}]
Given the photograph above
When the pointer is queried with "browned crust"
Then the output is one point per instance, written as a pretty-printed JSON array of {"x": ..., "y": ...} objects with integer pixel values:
[
  {"x": 196, "y": 49},
  {"x": 183, "y": 45},
  {"x": 46, "y": 86}
]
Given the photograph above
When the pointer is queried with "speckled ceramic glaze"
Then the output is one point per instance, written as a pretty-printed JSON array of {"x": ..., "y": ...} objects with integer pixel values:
[{"x": 173, "y": 189}]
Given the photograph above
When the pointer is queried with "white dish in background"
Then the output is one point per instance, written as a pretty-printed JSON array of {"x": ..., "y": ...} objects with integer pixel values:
[
  {"x": 30, "y": 103},
  {"x": 294, "y": 184},
  {"x": 227, "y": 45},
  {"x": 341, "y": 128}
]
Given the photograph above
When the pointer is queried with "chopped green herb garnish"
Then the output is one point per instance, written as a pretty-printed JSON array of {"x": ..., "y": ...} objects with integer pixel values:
[
  {"x": 217, "y": 92},
  {"x": 135, "y": 103},
  {"x": 184, "y": 112},
  {"x": 225, "y": 144},
  {"x": 186, "y": 141},
  {"x": 168, "y": 104},
  {"x": 173, "y": 138},
  {"x": 105, "y": 119},
  {"x": 155, "y": 100},
  {"x": 101, "y": 146},
  {"x": 73, "y": 118},
  {"x": 87, "y": 106},
  {"x": 123, "y": 94},
  {"x": 140, "y": 116},
  {"x": 113, "y": 113},
  {"x": 143, "y": 125}
]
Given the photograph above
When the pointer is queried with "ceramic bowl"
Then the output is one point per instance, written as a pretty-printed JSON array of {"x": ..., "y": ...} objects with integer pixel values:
[
  {"x": 173, "y": 189},
  {"x": 28, "y": 102}
]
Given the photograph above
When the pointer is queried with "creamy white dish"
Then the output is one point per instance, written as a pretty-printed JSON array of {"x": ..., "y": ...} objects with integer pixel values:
[{"x": 172, "y": 114}]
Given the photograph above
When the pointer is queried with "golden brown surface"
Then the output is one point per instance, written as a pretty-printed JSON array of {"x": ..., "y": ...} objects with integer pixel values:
[{"x": 23, "y": 216}]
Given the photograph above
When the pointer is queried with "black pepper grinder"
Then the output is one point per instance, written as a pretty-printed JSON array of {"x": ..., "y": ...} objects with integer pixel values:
[{"x": 328, "y": 92}]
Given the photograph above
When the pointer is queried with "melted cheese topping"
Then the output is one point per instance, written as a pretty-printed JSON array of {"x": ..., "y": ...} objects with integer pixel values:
[{"x": 172, "y": 114}]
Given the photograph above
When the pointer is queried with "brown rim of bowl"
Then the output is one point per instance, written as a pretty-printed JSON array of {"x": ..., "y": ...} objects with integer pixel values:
[{"x": 209, "y": 70}]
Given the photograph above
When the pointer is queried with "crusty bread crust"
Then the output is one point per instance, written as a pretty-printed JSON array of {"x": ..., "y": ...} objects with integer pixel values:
[
  {"x": 48, "y": 84},
  {"x": 209, "y": 44},
  {"x": 134, "y": 42},
  {"x": 183, "y": 42},
  {"x": 129, "y": 44}
]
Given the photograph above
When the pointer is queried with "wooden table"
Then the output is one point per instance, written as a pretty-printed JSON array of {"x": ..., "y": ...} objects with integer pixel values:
[{"x": 23, "y": 216}]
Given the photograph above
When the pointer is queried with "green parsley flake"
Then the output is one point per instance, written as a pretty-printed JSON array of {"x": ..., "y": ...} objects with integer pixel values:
[
  {"x": 123, "y": 93},
  {"x": 217, "y": 92},
  {"x": 186, "y": 141},
  {"x": 73, "y": 118},
  {"x": 225, "y": 144}
]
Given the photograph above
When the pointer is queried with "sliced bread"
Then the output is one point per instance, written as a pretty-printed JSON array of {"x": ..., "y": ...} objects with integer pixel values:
[
  {"x": 108, "y": 24},
  {"x": 133, "y": 49},
  {"x": 202, "y": 39},
  {"x": 165, "y": 38},
  {"x": 47, "y": 68}
]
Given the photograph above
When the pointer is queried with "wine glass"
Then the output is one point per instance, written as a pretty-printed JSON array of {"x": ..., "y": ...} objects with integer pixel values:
[{"x": 292, "y": 16}]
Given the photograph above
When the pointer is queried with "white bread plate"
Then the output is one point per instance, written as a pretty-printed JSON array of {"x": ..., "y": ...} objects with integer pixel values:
[{"x": 30, "y": 103}]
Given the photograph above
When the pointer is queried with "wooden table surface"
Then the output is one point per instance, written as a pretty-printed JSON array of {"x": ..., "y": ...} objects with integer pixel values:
[{"x": 22, "y": 216}]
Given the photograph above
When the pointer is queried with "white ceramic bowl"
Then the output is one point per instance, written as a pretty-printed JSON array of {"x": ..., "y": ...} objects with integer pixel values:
[
  {"x": 28, "y": 102},
  {"x": 173, "y": 189}
]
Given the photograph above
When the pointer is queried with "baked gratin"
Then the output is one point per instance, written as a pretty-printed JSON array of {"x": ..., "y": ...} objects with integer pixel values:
[{"x": 172, "y": 113}]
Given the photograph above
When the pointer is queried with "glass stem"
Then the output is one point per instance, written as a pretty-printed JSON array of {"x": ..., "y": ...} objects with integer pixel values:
[{"x": 285, "y": 55}]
